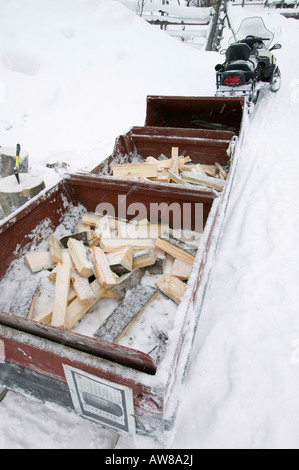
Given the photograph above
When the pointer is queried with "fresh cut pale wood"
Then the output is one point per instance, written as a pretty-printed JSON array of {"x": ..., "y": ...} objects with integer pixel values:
[
  {"x": 131, "y": 170},
  {"x": 121, "y": 257},
  {"x": 174, "y": 251},
  {"x": 181, "y": 269},
  {"x": 172, "y": 287},
  {"x": 55, "y": 249},
  {"x": 45, "y": 315},
  {"x": 112, "y": 244},
  {"x": 62, "y": 287},
  {"x": 38, "y": 261},
  {"x": 201, "y": 180},
  {"x": 102, "y": 268},
  {"x": 79, "y": 256},
  {"x": 76, "y": 310}
]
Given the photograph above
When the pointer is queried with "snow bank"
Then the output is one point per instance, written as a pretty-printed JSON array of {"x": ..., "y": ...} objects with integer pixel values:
[{"x": 76, "y": 74}]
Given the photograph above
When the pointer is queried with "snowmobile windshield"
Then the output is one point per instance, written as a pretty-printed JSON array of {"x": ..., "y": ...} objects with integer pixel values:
[{"x": 254, "y": 26}]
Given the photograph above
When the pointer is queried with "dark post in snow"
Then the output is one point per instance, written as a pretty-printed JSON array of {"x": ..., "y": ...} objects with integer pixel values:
[{"x": 213, "y": 36}]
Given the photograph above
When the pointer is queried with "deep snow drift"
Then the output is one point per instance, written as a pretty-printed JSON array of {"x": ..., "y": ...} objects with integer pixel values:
[{"x": 76, "y": 81}]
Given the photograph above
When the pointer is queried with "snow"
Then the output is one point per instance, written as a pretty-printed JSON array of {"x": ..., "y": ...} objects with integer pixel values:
[{"x": 73, "y": 83}]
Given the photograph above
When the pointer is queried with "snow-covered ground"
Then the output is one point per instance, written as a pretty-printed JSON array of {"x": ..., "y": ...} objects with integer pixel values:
[{"x": 76, "y": 74}]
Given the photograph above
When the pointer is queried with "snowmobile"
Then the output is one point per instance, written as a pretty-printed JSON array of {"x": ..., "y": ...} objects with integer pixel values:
[{"x": 249, "y": 66}]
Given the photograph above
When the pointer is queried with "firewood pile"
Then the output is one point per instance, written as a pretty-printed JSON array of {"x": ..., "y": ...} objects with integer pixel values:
[
  {"x": 177, "y": 169},
  {"x": 107, "y": 258}
]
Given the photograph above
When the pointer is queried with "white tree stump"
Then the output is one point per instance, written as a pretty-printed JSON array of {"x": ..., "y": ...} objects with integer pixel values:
[
  {"x": 14, "y": 195},
  {"x": 8, "y": 161}
]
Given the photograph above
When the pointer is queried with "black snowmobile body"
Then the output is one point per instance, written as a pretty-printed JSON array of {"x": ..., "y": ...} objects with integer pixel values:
[{"x": 249, "y": 65}]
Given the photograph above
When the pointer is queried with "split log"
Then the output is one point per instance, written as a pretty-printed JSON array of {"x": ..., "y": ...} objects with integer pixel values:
[
  {"x": 168, "y": 162},
  {"x": 76, "y": 310},
  {"x": 132, "y": 230},
  {"x": 121, "y": 319},
  {"x": 162, "y": 177},
  {"x": 82, "y": 288},
  {"x": 91, "y": 219},
  {"x": 158, "y": 267},
  {"x": 175, "y": 160},
  {"x": 190, "y": 246},
  {"x": 176, "y": 178},
  {"x": 121, "y": 261},
  {"x": 102, "y": 228},
  {"x": 144, "y": 258},
  {"x": 45, "y": 316},
  {"x": 196, "y": 178},
  {"x": 222, "y": 171},
  {"x": 209, "y": 170},
  {"x": 102, "y": 268},
  {"x": 112, "y": 244},
  {"x": 172, "y": 287},
  {"x": 181, "y": 269},
  {"x": 34, "y": 299},
  {"x": 133, "y": 170},
  {"x": 127, "y": 281},
  {"x": 14, "y": 195},
  {"x": 174, "y": 251},
  {"x": 88, "y": 237},
  {"x": 62, "y": 287},
  {"x": 55, "y": 249},
  {"x": 23, "y": 301},
  {"x": 38, "y": 261},
  {"x": 79, "y": 257}
]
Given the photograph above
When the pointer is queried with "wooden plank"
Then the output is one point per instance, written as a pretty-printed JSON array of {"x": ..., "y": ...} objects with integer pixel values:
[
  {"x": 168, "y": 162},
  {"x": 221, "y": 170},
  {"x": 35, "y": 296},
  {"x": 132, "y": 170},
  {"x": 24, "y": 297},
  {"x": 174, "y": 251},
  {"x": 102, "y": 268},
  {"x": 121, "y": 319},
  {"x": 162, "y": 177},
  {"x": 121, "y": 260},
  {"x": 55, "y": 249},
  {"x": 45, "y": 316},
  {"x": 132, "y": 230},
  {"x": 181, "y": 269},
  {"x": 144, "y": 258},
  {"x": 109, "y": 245},
  {"x": 209, "y": 170},
  {"x": 175, "y": 160},
  {"x": 178, "y": 239},
  {"x": 175, "y": 178},
  {"x": 102, "y": 228},
  {"x": 127, "y": 281},
  {"x": 79, "y": 256},
  {"x": 76, "y": 310},
  {"x": 82, "y": 287},
  {"x": 62, "y": 287},
  {"x": 196, "y": 178},
  {"x": 88, "y": 238},
  {"x": 172, "y": 287},
  {"x": 91, "y": 219},
  {"x": 38, "y": 261}
]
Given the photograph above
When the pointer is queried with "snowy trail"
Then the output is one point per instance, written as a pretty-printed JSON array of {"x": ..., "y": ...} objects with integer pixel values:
[{"x": 244, "y": 359}]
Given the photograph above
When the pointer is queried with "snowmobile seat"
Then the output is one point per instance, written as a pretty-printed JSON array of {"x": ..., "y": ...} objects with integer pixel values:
[{"x": 238, "y": 51}]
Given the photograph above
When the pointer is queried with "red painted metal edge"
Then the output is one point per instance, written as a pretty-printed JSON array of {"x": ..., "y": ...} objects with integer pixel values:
[{"x": 113, "y": 352}]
